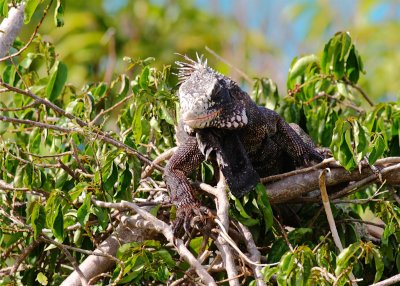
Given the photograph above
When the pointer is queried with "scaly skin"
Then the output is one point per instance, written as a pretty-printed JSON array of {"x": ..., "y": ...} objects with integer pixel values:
[{"x": 221, "y": 120}]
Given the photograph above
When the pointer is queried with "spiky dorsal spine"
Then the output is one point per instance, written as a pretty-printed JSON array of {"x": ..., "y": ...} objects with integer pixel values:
[{"x": 186, "y": 69}]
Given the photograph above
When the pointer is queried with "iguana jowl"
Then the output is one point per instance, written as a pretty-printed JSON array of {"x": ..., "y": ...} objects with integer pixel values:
[{"x": 221, "y": 120}]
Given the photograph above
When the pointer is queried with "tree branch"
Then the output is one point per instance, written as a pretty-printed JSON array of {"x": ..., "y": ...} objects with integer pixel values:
[
  {"x": 10, "y": 28},
  {"x": 390, "y": 281},
  {"x": 166, "y": 230},
  {"x": 21, "y": 7},
  {"x": 294, "y": 187},
  {"x": 92, "y": 135}
]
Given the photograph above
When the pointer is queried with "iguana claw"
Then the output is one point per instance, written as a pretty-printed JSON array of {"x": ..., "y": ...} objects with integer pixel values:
[{"x": 190, "y": 216}]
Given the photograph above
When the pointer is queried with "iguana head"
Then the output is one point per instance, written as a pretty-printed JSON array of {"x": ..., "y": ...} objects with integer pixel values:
[{"x": 206, "y": 97}]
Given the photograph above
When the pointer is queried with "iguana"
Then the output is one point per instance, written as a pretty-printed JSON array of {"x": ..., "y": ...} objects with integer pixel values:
[{"x": 219, "y": 121}]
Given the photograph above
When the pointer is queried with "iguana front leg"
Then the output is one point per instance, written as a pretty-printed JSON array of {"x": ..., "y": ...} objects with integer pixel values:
[
  {"x": 298, "y": 148},
  {"x": 185, "y": 160}
]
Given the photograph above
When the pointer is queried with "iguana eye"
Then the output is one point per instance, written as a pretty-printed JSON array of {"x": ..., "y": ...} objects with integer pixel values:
[{"x": 223, "y": 96}]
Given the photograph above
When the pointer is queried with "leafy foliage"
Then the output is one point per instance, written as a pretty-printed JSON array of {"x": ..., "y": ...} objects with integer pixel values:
[{"x": 54, "y": 161}]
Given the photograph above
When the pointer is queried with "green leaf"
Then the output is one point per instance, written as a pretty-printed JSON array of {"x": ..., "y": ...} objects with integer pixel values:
[
  {"x": 166, "y": 114},
  {"x": 3, "y": 8},
  {"x": 144, "y": 78},
  {"x": 100, "y": 90},
  {"x": 378, "y": 148},
  {"x": 84, "y": 210},
  {"x": 54, "y": 215},
  {"x": 354, "y": 66},
  {"x": 19, "y": 177},
  {"x": 195, "y": 244},
  {"x": 379, "y": 266},
  {"x": 278, "y": 249},
  {"x": 346, "y": 46},
  {"x": 268, "y": 272},
  {"x": 59, "y": 13},
  {"x": 298, "y": 68},
  {"x": 249, "y": 221},
  {"x": 42, "y": 279},
  {"x": 57, "y": 81},
  {"x": 102, "y": 216},
  {"x": 265, "y": 207},
  {"x": 125, "y": 182},
  {"x": 137, "y": 124},
  {"x": 265, "y": 92},
  {"x": 361, "y": 140},
  {"x": 344, "y": 258},
  {"x": 37, "y": 219},
  {"x": 30, "y": 8},
  {"x": 165, "y": 257},
  {"x": 240, "y": 208},
  {"x": 341, "y": 144},
  {"x": 58, "y": 226},
  {"x": 112, "y": 178},
  {"x": 9, "y": 75}
]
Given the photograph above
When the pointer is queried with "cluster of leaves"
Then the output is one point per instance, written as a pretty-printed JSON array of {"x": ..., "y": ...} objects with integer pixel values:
[
  {"x": 56, "y": 170},
  {"x": 146, "y": 261},
  {"x": 324, "y": 98}
]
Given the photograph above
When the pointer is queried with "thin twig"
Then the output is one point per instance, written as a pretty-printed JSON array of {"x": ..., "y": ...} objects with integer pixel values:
[
  {"x": 92, "y": 135},
  {"x": 361, "y": 91},
  {"x": 225, "y": 235},
  {"x": 255, "y": 255},
  {"x": 70, "y": 258},
  {"x": 381, "y": 225},
  {"x": 119, "y": 103},
  {"x": 324, "y": 94},
  {"x": 47, "y": 156},
  {"x": 23, "y": 255},
  {"x": 19, "y": 108},
  {"x": 243, "y": 74}
]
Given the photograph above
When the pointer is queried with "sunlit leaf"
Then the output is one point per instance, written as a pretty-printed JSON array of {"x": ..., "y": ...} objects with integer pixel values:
[
  {"x": 265, "y": 207},
  {"x": 42, "y": 279},
  {"x": 345, "y": 257},
  {"x": 30, "y": 8},
  {"x": 59, "y": 13},
  {"x": 57, "y": 81},
  {"x": 84, "y": 210},
  {"x": 37, "y": 219},
  {"x": 3, "y": 8}
]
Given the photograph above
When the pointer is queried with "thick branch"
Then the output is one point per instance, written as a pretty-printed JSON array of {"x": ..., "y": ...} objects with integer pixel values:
[
  {"x": 166, "y": 230},
  {"x": 294, "y": 187},
  {"x": 97, "y": 264},
  {"x": 10, "y": 28},
  {"x": 390, "y": 281}
]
